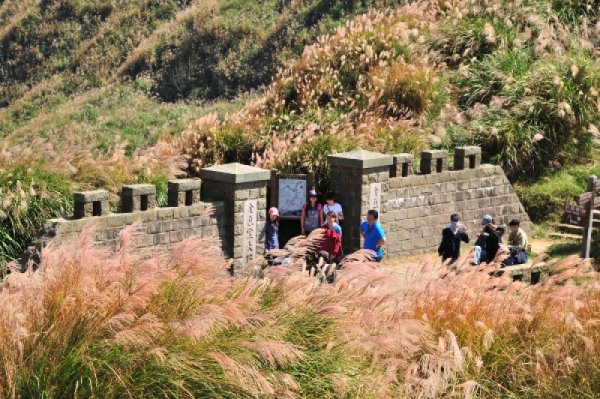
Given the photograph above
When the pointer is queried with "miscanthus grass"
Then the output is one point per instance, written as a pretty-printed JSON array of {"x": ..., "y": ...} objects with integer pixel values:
[{"x": 95, "y": 323}]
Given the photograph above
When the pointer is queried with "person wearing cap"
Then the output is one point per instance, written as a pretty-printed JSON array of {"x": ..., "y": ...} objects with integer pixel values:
[
  {"x": 272, "y": 230},
  {"x": 451, "y": 238},
  {"x": 312, "y": 217},
  {"x": 482, "y": 239},
  {"x": 517, "y": 243}
]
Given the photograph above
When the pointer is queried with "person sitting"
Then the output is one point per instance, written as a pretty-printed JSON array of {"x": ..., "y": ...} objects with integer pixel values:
[
  {"x": 451, "y": 238},
  {"x": 373, "y": 234},
  {"x": 331, "y": 223},
  {"x": 329, "y": 250},
  {"x": 480, "y": 242},
  {"x": 493, "y": 237},
  {"x": 312, "y": 217},
  {"x": 517, "y": 244}
]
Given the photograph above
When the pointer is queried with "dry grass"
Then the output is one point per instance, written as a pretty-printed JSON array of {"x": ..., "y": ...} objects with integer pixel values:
[{"x": 119, "y": 325}]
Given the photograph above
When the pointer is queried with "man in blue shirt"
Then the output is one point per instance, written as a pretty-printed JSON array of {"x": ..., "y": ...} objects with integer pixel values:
[{"x": 373, "y": 233}]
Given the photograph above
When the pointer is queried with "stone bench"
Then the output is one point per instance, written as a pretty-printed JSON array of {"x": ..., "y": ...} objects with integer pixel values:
[
  {"x": 527, "y": 274},
  {"x": 91, "y": 203},
  {"x": 138, "y": 197},
  {"x": 184, "y": 192}
]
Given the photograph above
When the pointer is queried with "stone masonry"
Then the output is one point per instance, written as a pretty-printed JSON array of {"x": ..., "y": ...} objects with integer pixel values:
[
  {"x": 243, "y": 189},
  {"x": 413, "y": 209}
]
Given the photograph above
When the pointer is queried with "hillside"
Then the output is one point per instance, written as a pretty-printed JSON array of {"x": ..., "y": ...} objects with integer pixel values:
[{"x": 101, "y": 93}]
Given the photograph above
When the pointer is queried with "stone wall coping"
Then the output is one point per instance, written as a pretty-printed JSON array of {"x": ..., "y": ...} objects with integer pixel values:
[
  {"x": 360, "y": 159},
  {"x": 235, "y": 173},
  {"x": 184, "y": 184},
  {"x": 403, "y": 158},
  {"x": 131, "y": 190},
  {"x": 467, "y": 150},
  {"x": 434, "y": 154},
  {"x": 90, "y": 196}
]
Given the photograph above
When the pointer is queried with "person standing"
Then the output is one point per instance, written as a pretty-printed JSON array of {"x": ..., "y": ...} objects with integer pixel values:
[
  {"x": 332, "y": 206},
  {"x": 272, "y": 230},
  {"x": 373, "y": 234},
  {"x": 312, "y": 216},
  {"x": 451, "y": 238},
  {"x": 517, "y": 244}
]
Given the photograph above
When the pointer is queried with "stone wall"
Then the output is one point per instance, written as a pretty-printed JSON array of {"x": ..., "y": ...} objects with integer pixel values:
[
  {"x": 161, "y": 228},
  {"x": 414, "y": 208},
  {"x": 230, "y": 203}
]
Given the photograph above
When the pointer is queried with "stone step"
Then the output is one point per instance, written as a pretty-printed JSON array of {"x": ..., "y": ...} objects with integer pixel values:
[
  {"x": 566, "y": 235},
  {"x": 567, "y": 228}
]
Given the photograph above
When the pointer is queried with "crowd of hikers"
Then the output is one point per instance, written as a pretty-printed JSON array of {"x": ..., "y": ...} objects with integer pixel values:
[{"x": 329, "y": 251}]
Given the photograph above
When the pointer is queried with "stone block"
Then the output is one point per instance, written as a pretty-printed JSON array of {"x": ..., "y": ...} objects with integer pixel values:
[
  {"x": 196, "y": 209},
  {"x": 131, "y": 218},
  {"x": 359, "y": 159},
  {"x": 176, "y": 236},
  {"x": 144, "y": 240},
  {"x": 138, "y": 197},
  {"x": 182, "y": 192},
  {"x": 90, "y": 203},
  {"x": 154, "y": 227},
  {"x": 168, "y": 225},
  {"x": 115, "y": 220},
  {"x": 148, "y": 216},
  {"x": 186, "y": 223},
  {"x": 434, "y": 161},
  {"x": 235, "y": 173},
  {"x": 164, "y": 213},
  {"x": 161, "y": 238}
]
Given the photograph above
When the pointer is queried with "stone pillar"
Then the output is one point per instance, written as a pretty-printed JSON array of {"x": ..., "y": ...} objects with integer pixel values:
[
  {"x": 91, "y": 203},
  {"x": 184, "y": 192},
  {"x": 138, "y": 197},
  {"x": 243, "y": 189},
  {"x": 403, "y": 165},
  {"x": 434, "y": 161},
  {"x": 467, "y": 157},
  {"x": 359, "y": 178}
]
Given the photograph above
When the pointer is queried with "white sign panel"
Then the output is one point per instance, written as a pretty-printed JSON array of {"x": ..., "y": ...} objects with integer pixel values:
[
  {"x": 375, "y": 196},
  {"x": 250, "y": 230},
  {"x": 292, "y": 196}
]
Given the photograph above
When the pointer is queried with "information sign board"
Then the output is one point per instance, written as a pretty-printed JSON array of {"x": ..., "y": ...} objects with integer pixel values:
[
  {"x": 585, "y": 198},
  {"x": 575, "y": 210},
  {"x": 292, "y": 196}
]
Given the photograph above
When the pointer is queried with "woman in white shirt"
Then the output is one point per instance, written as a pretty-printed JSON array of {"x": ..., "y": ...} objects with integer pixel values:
[{"x": 331, "y": 206}]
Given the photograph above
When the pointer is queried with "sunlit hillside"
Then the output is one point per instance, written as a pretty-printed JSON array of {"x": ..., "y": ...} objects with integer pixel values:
[{"x": 98, "y": 94}]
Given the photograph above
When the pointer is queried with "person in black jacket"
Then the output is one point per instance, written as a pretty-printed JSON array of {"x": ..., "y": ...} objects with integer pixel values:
[
  {"x": 493, "y": 238},
  {"x": 451, "y": 238}
]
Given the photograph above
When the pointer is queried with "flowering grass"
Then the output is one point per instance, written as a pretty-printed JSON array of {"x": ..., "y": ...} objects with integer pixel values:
[{"x": 93, "y": 323}]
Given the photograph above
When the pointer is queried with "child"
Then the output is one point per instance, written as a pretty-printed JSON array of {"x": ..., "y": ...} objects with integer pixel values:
[
  {"x": 272, "y": 230},
  {"x": 332, "y": 206},
  {"x": 312, "y": 216},
  {"x": 331, "y": 223}
]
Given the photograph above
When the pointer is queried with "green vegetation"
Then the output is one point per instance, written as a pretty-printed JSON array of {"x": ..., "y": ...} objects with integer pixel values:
[{"x": 113, "y": 86}]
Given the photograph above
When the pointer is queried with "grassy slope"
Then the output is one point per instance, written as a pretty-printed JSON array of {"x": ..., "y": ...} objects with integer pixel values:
[{"x": 519, "y": 79}]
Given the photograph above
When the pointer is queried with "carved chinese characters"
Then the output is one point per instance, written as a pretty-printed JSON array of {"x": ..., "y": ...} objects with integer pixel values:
[{"x": 250, "y": 229}]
